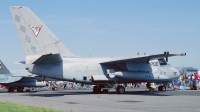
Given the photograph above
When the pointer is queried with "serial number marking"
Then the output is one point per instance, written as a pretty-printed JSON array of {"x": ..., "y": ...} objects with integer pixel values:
[{"x": 154, "y": 63}]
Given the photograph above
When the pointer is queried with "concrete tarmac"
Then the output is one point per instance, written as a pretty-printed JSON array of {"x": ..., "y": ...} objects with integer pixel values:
[{"x": 134, "y": 100}]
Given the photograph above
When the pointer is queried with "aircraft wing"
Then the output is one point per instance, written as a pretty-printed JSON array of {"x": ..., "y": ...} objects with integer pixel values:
[{"x": 145, "y": 58}]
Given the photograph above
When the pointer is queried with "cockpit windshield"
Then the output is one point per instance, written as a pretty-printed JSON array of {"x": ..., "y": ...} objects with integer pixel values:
[{"x": 162, "y": 61}]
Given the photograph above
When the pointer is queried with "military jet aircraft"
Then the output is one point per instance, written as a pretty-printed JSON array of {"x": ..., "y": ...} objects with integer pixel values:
[
  {"x": 13, "y": 82},
  {"x": 47, "y": 56}
]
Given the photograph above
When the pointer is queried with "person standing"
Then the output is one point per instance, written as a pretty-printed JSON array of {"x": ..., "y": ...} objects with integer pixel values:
[
  {"x": 182, "y": 79},
  {"x": 191, "y": 80},
  {"x": 196, "y": 77},
  {"x": 65, "y": 84}
]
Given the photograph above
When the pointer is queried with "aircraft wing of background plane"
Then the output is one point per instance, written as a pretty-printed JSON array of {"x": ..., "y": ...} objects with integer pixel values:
[
  {"x": 8, "y": 79},
  {"x": 145, "y": 58}
]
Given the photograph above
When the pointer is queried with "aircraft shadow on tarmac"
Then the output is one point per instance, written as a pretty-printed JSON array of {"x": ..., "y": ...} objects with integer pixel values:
[{"x": 63, "y": 93}]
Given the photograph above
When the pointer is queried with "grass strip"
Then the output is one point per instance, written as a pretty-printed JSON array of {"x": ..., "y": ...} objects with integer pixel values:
[{"x": 18, "y": 107}]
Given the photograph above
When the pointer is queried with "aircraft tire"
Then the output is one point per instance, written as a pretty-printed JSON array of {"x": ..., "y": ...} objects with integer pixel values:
[
  {"x": 120, "y": 90},
  {"x": 28, "y": 90},
  {"x": 94, "y": 89},
  {"x": 97, "y": 89},
  {"x": 161, "y": 88},
  {"x": 20, "y": 89},
  {"x": 11, "y": 89},
  {"x": 105, "y": 90}
]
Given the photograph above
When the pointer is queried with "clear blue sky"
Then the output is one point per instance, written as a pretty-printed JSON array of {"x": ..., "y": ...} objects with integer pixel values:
[{"x": 111, "y": 28}]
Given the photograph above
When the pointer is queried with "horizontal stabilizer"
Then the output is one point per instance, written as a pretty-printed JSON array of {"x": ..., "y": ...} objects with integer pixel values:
[{"x": 48, "y": 58}]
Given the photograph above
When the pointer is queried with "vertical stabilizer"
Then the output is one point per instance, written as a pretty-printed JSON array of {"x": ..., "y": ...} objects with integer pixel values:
[
  {"x": 35, "y": 36},
  {"x": 3, "y": 69}
]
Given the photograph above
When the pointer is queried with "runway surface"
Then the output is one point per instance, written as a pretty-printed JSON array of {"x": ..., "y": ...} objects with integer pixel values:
[{"x": 134, "y": 100}]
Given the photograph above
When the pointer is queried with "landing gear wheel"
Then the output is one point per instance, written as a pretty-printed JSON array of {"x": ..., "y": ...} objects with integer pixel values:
[
  {"x": 161, "y": 88},
  {"x": 120, "y": 89},
  {"x": 97, "y": 89},
  {"x": 20, "y": 89},
  {"x": 10, "y": 89},
  {"x": 28, "y": 90},
  {"x": 105, "y": 91},
  {"x": 94, "y": 89}
]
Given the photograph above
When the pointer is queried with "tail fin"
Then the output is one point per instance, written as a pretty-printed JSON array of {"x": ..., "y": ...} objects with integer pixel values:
[
  {"x": 3, "y": 69},
  {"x": 35, "y": 36}
]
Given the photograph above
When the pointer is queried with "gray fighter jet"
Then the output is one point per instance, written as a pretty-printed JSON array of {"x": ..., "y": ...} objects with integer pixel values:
[
  {"x": 47, "y": 56},
  {"x": 13, "y": 82}
]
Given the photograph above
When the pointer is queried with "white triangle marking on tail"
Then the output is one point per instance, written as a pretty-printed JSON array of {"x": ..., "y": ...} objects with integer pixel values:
[{"x": 36, "y": 29}]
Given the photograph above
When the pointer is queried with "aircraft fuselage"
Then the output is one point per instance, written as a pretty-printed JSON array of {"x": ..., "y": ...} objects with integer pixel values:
[{"x": 86, "y": 69}]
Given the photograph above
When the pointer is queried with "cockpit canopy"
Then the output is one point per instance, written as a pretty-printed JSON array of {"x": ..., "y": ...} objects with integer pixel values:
[{"x": 162, "y": 61}]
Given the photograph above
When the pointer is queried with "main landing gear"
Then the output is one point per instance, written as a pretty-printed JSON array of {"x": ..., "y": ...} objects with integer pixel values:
[
  {"x": 11, "y": 89},
  {"x": 120, "y": 89},
  {"x": 102, "y": 89},
  {"x": 99, "y": 89},
  {"x": 152, "y": 86},
  {"x": 19, "y": 89}
]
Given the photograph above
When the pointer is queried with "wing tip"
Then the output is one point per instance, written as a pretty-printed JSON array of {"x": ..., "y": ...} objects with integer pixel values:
[{"x": 180, "y": 54}]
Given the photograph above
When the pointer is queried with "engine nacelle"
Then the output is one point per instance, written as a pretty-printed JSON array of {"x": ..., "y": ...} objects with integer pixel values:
[{"x": 102, "y": 78}]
